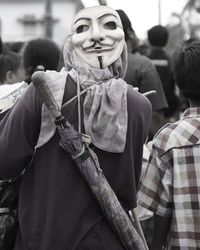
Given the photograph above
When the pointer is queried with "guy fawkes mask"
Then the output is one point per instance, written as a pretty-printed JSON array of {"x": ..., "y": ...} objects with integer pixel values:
[{"x": 98, "y": 36}]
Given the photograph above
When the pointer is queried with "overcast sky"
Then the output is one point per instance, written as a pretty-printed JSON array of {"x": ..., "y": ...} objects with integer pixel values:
[{"x": 144, "y": 13}]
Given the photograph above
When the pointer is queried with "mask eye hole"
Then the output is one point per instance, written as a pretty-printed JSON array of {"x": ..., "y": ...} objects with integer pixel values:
[
  {"x": 82, "y": 28},
  {"x": 110, "y": 25}
]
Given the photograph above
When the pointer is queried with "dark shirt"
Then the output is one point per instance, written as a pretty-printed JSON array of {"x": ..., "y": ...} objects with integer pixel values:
[
  {"x": 142, "y": 74},
  {"x": 162, "y": 63},
  {"x": 56, "y": 208}
]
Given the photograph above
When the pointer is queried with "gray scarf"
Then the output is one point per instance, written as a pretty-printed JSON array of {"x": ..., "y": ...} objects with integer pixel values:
[{"x": 105, "y": 104}]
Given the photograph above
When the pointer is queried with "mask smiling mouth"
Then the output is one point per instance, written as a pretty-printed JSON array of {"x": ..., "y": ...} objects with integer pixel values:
[{"x": 97, "y": 47}]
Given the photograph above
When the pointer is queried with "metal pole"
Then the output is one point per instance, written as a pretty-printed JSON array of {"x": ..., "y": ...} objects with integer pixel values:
[
  {"x": 48, "y": 19},
  {"x": 159, "y": 12}
]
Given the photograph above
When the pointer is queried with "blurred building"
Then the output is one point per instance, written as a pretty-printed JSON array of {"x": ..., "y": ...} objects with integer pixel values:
[{"x": 22, "y": 20}]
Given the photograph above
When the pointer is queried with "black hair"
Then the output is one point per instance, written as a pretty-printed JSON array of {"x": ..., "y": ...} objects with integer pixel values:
[
  {"x": 129, "y": 32},
  {"x": 9, "y": 61},
  {"x": 158, "y": 36},
  {"x": 15, "y": 46},
  {"x": 1, "y": 46},
  {"x": 185, "y": 63},
  {"x": 126, "y": 23},
  {"x": 40, "y": 52}
]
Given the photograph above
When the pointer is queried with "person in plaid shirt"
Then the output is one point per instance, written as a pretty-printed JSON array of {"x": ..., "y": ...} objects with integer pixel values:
[{"x": 171, "y": 187}]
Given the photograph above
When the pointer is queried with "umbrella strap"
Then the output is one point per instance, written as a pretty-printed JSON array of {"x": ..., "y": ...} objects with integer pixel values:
[
  {"x": 79, "y": 103},
  {"x": 74, "y": 157}
]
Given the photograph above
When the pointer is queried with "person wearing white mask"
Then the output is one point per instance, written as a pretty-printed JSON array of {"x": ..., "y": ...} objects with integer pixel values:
[{"x": 56, "y": 208}]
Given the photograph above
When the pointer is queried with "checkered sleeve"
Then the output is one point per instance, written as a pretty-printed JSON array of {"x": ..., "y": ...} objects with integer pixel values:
[{"x": 156, "y": 189}]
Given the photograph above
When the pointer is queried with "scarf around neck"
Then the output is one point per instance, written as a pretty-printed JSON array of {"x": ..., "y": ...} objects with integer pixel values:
[{"x": 105, "y": 103}]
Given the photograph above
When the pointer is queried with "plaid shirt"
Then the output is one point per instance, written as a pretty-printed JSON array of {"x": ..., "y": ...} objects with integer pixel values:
[{"x": 172, "y": 183}]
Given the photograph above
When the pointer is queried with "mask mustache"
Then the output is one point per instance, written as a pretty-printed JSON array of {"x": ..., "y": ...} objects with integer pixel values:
[{"x": 98, "y": 44}]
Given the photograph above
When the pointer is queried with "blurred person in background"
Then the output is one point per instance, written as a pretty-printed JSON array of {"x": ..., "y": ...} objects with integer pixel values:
[
  {"x": 144, "y": 48},
  {"x": 11, "y": 68},
  {"x": 141, "y": 73},
  {"x": 12, "y": 86},
  {"x": 158, "y": 38},
  {"x": 40, "y": 54},
  {"x": 15, "y": 46},
  {"x": 1, "y": 46},
  {"x": 12, "y": 76}
]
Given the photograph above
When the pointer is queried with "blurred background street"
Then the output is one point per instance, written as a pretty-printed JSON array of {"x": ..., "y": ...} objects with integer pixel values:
[{"x": 22, "y": 20}]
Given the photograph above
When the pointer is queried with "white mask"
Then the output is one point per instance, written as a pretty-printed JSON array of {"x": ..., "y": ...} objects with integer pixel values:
[{"x": 98, "y": 36}]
